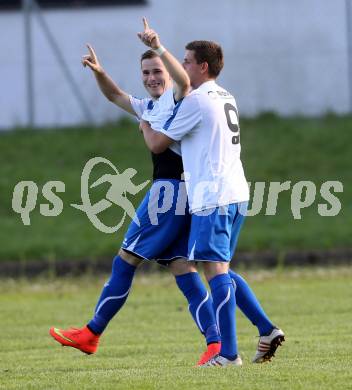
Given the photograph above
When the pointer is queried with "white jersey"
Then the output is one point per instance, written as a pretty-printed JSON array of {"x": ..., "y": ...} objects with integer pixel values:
[
  {"x": 156, "y": 112},
  {"x": 206, "y": 123}
]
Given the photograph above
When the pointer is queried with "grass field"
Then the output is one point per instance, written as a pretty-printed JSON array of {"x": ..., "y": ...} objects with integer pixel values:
[
  {"x": 153, "y": 343},
  {"x": 273, "y": 149}
]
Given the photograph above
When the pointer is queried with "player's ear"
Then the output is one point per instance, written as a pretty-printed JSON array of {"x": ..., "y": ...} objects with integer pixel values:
[{"x": 204, "y": 67}]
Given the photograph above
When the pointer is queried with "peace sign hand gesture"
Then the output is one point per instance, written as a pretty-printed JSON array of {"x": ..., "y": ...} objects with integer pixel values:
[
  {"x": 91, "y": 60},
  {"x": 149, "y": 37}
]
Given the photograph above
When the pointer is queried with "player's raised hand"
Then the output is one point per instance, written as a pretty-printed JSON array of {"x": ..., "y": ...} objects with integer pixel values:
[
  {"x": 91, "y": 60},
  {"x": 149, "y": 37}
]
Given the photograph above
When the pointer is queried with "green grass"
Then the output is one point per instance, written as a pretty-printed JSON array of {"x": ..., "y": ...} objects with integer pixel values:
[
  {"x": 274, "y": 149},
  {"x": 153, "y": 343}
]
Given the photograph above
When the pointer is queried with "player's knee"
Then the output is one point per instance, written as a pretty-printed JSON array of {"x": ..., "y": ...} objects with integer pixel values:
[
  {"x": 130, "y": 258},
  {"x": 212, "y": 269},
  {"x": 181, "y": 266}
]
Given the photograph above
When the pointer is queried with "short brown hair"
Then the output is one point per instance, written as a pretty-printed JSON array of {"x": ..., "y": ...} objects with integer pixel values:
[
  {"x": 210, "y": 52},
  {"x": 147, "y": 55}
]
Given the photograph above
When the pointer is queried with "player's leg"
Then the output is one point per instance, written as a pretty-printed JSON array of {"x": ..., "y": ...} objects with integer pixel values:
[
  {"x": 200, "y": 305},
  {"x": 245, "y": 297},
  {"x": 210, "y": 243},
  {"x": 250, "y": 306},
  {"x": 115, "y": 291},
  {"x": 270, "y": 336},
  {"x": 223, "y": 292},
  {"x": 112, "y": 298}
]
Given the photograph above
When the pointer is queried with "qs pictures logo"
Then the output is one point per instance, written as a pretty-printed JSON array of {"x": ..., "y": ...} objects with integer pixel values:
[
  {"x": 302, "y": 195},
  {"x": 25, "y": 195}
]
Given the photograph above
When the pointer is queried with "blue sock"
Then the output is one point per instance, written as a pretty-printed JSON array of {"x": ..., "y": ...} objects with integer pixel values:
[
  {"x": 200, "y": 305},
  {"x": 114, "y": 294},
  {"x": 250, "y": 306},
  {"x": 223, "y": 292}
]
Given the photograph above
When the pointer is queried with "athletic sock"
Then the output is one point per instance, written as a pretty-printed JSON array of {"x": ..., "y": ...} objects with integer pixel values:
[
  {"x": 223, "y": 292},
  {"x": 200, "y": 305},
  {"x": 250, "y": 306},
  {"x": 113, "y": 296}
]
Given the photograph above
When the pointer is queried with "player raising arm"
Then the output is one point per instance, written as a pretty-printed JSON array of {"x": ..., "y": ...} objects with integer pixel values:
[
  {"x": 155, "y": 86},
  {"x": 106, "y": 84},
  {"x": 182, "y": 82}
]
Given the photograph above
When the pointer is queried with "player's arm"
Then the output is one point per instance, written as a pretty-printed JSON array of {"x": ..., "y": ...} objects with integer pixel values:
[
  {"x": 182, "y": 83},
  {"x": 107, "y": 86},
  {"x": 185, "y": 119},
  {"x": 156, "y": 141}
]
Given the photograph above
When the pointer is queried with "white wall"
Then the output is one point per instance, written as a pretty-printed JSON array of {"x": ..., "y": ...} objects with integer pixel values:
[{"x": 280, "y": 55}]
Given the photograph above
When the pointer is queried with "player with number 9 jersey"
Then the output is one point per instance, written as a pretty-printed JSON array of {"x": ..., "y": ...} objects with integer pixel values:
[{"x": 207, "y": 123}]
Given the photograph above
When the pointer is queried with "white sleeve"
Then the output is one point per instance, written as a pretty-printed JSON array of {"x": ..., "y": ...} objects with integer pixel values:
[
  {"x": 139, "y": 105},
  {"x": 185, "y": 117}
]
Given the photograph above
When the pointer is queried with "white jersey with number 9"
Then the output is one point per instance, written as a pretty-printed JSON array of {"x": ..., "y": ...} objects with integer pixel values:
[{"x": 206, "y": 123}]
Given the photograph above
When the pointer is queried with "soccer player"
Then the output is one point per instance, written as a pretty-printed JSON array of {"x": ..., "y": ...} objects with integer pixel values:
[
  {"x": 166, "y": 240},
  {"x": 206, "y": 123}
]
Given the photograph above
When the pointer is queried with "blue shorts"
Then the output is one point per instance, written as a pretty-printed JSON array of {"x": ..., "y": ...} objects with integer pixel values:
[
  {"x": 164, "y": 223},
  {"x": 214, "y": 232}
]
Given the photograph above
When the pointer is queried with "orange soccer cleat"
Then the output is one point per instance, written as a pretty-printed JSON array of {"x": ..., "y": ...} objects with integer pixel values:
[
  {"x": 213, "y": 349},
  {"x": 83, "y": 339}
]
